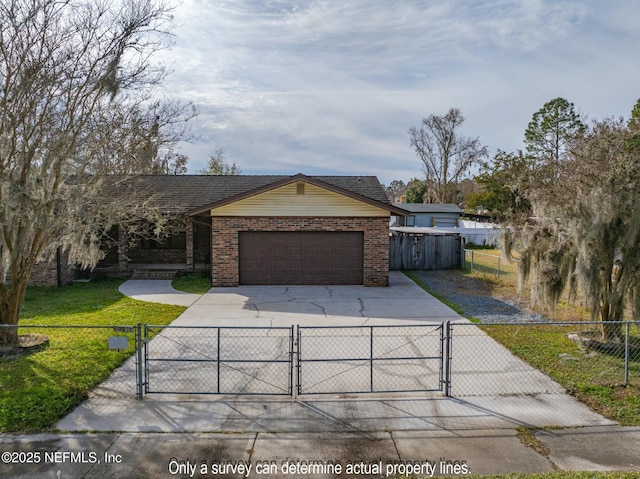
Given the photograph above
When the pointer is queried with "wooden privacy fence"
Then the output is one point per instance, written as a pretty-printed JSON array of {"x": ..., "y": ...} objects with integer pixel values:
[{"x": 426, "y": 252}]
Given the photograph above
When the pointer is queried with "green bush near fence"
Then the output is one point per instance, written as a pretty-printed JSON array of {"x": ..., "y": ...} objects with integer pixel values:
[{"x": 38, "y": 389}]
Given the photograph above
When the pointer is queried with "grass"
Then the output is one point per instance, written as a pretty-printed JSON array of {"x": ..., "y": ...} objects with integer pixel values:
[
  {"x": 489, "y": 264},
  {"x": 39, "y": 389},
  {"x": 596, "y": 380},
  {"x": 192, "y": 283}
]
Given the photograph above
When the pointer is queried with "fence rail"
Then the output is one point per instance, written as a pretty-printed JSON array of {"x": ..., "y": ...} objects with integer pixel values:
[
  {"x": 218, "y": 360},
  {"x": 100, "y": 358},
  {"x": 453, "y": 358},
  {"x": 366, "y": 359},
  {"x": 485, "y": 263},
  {"x": 517, "y": 358}
]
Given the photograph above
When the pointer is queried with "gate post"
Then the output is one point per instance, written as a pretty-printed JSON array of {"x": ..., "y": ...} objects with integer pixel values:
[
  {"x": 298, "y": 353},
  {"x": 371, "y": 358},
  {"x": 139, "y": 341},
  {"x": 291, "y": 359},
  {"x": 446, "y": 360}
]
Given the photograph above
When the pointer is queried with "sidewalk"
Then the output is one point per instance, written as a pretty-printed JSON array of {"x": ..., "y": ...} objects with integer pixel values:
[{"x": 373, "y": 454}]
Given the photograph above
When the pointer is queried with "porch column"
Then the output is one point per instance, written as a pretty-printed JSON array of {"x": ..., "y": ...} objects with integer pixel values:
[
  {"x": 123, "y": 250},
  {"x": 190, "y": 262}
]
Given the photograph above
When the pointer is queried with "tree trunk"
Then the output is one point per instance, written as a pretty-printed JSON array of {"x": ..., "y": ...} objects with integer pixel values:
[
  {"x": 11, "y": 300},
  {"x": 611, "y": 312}
]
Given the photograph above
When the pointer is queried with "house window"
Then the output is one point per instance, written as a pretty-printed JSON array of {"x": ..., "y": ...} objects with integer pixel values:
[
  {"x": 176, "y": 240},
  {"x": 410, "y": 220}
]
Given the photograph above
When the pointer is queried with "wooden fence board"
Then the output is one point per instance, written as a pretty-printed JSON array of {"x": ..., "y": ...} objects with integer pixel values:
[{"x": 425, "y": 252}]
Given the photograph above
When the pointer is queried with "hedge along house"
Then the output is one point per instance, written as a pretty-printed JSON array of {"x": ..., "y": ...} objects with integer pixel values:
[{"x": 268, "y": 230}]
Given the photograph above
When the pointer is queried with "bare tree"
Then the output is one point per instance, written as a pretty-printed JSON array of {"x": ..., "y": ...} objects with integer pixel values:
[
  {"x": 446, "y": 155},
  {"x": 140, "y": 136},
  {"x": 67, "y": 69}
]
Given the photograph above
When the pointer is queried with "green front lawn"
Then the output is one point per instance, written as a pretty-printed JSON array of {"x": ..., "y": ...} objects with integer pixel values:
[
  {"x": 39, "y": 389},
  {"x": 196, "y": 283}
]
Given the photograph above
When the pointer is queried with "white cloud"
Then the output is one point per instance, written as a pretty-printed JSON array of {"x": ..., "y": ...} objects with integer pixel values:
[{"x": 332, "y": 86}]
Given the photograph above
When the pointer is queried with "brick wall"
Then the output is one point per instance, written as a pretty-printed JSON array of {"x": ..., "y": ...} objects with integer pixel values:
[
  {"x": 224, "y": 242},
  {"x": 45, "y": 273},
  {"x": 137, "y": 254}
]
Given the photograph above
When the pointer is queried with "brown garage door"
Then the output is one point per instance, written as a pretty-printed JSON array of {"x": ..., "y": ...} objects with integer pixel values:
[{"x": 309, "y": 257}]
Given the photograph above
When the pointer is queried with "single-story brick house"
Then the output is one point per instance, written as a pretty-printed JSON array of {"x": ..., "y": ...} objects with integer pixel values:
[{"x": 249, "y": 229}]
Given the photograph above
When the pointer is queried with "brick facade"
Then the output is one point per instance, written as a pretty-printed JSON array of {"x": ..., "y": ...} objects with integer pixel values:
[
  {"x": 224, "y": 242},
  {"x": 197, "y": 250},
  {"x": 45, "y": 273}
]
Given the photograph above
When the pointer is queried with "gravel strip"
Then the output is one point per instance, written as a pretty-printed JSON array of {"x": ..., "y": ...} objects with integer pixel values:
[{"x": 477, "y": 303}]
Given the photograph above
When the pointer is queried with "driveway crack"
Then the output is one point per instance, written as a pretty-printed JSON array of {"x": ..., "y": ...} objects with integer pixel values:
[{"x": 320, "y": 307}]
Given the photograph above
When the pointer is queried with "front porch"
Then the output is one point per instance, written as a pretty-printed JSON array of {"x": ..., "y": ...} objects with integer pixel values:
[{"x": 185, "y": 250}]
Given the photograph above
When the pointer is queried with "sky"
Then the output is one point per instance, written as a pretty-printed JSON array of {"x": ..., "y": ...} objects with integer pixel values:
[{"x": 331, "y": 87}]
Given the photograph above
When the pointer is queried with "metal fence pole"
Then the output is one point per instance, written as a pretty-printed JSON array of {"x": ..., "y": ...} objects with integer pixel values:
[
  {"x": 371, "y": 357},
  {"x": 218, "y": 360},
  {"x": 626, "y": 354},
  {"x": 298, "y": 361},
  {"x": 498, "y": 267},
  {"x": 291, "y": 355},
  {"x": 139, "y": 363},
  {"x": 447, "y": 359}
]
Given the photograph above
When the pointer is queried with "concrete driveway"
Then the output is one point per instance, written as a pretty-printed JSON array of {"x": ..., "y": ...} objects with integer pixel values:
[
  {"x": 402, "y": 302},
  {"x": 165, "y": 431},
  {"x": 543, "y": 403}
]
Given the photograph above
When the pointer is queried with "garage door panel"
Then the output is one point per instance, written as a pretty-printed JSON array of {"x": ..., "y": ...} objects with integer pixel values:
[{"x": 301, "y": 257}]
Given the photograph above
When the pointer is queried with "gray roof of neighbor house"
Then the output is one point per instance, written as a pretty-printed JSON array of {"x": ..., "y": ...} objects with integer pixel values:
[
  {"x": 195, "y": 194},
  {"x": 432, "y": 208}
]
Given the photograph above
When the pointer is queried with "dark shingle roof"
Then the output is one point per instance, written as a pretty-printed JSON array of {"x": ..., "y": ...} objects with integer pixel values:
[{"x": 186, "y": 193}]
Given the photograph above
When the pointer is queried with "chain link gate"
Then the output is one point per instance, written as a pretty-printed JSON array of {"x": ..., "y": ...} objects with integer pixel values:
[
  {"x": 261, "y": 360},
  {"x": 218, "y": 360},
  {"x": 368, "y": 359}
]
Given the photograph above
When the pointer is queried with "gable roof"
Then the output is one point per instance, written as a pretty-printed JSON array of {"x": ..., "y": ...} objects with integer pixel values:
[
  {"x": 362, "y": 188},
  {"x": 197, "y": 194}
]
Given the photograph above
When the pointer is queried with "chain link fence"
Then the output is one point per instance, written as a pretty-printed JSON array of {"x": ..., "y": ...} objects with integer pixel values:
[
  {"x": 459, "y": 359},
  {"x": 218, "y": 360},
  {"x": 522, "y": 359},
  {"x": 366, "y": 359},
  {"x": 477, "y": 261},
  {"x": 99, "y": 360}
]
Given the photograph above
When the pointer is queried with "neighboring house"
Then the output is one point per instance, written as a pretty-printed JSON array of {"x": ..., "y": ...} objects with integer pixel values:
[
  {"x": 431, "y": 215},
  {"x": 266, "y": 230}
]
